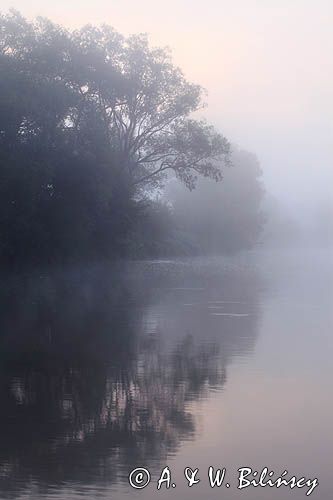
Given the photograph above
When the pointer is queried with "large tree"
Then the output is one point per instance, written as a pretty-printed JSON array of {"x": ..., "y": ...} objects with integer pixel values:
[{"x": 145, "y": 102}]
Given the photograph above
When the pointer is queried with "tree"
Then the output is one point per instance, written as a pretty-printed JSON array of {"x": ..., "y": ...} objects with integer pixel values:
[
  {"x": 151, "y": 120},
  {"x": 145, "y": 102}
]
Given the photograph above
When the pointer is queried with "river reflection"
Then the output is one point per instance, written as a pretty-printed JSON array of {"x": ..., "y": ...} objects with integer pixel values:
[{"x": 100, "y": 366}]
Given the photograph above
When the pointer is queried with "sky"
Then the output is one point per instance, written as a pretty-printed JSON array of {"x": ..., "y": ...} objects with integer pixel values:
[{"x": 267, "y": 66}]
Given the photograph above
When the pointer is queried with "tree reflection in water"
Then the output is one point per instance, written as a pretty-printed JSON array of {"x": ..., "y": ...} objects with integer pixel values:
[{"x": 99, "y": 367}]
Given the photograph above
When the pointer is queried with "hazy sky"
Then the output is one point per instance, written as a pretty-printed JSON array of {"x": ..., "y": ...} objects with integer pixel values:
[{"x": 267, "y": 66}]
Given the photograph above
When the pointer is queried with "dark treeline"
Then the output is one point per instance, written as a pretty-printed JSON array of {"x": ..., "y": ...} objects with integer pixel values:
[{"x": 92, "y": 126}]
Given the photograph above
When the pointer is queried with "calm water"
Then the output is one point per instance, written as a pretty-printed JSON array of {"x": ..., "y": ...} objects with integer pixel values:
[{"x": 224, "y": 362}]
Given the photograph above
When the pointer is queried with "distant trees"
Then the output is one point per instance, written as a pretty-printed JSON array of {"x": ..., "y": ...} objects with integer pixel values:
[
  {"x": 90, "y": 123},
  {"x": 222, "y": 217}
]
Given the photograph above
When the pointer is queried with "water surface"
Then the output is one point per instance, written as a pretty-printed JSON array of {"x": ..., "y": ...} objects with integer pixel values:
[{"x": 195, "y": 362}]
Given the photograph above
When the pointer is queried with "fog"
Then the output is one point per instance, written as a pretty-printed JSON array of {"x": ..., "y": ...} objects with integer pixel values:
[{"x": 267, "y": 68}]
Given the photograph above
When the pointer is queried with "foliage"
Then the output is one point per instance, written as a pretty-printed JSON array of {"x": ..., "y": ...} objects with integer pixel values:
[
  {"x": 90, "y": 124},
  {"x": 143, "y": 100}
]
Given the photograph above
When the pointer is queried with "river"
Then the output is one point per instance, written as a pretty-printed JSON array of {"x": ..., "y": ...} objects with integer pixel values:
[{"x": 223, "y": 362}]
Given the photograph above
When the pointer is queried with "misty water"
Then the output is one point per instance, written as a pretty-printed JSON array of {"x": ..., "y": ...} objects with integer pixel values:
[{"x": 224, "y": 361}]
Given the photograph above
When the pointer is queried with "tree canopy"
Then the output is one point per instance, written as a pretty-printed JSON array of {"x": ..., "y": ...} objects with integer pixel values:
[{"x": 143, "y": 103}]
